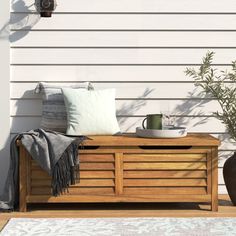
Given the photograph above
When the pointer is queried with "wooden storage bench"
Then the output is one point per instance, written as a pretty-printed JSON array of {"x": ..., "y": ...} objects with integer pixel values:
[{"x": 131, "y": 169}]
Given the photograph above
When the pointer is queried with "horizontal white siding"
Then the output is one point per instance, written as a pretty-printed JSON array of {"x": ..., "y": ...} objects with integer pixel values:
[
  {"x": 125, "y": 22},
  {"x": 121, "y": 73},
  {"x": 126, "y": 39},
  {"x": 128, "y": 124},
  {"x": 5, "y": 93},
  {"x": 139, "y": 47},
  {"x": 139, "y": 90},
  {"x": 142, "y": 6},
  {"x": 114, "y": 56},
  {"x": 124, "y": 107}
]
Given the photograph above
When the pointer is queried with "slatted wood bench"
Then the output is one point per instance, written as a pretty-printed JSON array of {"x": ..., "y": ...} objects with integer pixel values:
[{"x": 131, "y": 169}]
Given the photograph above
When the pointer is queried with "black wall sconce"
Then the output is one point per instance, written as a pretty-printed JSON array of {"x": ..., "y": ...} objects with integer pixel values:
[{"x": 45, "y": 7}]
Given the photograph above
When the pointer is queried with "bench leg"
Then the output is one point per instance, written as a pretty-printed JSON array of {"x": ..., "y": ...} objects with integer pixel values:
[
  {"x": 22, "y": 180},
  {"x": 214, "y": 205},
  {"x": 23, "y": 207},
  {"x": 214, "y": 192}
]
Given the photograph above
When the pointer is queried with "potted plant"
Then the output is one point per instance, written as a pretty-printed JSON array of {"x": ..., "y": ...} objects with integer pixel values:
[{"x": 221, "y": 85}]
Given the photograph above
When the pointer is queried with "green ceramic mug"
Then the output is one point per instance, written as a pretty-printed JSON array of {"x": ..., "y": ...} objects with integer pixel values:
[{"x": 154, "y": 121}]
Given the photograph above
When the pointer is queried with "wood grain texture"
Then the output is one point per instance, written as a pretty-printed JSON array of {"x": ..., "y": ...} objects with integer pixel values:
[
  {"x": 132, "y": 140},
  {"x": 164, "y": 182},
  {"x": 142, "y": 174},
  {"x": 200, "y": 157},
  {"x": 164, "y": 190},
  {"x": 76, "y": 191},
  {"x": 214, "y": 169},
  {"x": 23, "y": 179},
  {"x": 209, "y": 173},
  {"x": 119, "y": 173},
  {"x": 87, "y": 166},
  {"x": 128, "y": 173},
  {"x": 84, "y": 158},
  {"x": 122, "y": 198},
  {"x": 82, "y": 183},
  {"x": 165, "y": 166},
  {"x": 100, "y": 174}
]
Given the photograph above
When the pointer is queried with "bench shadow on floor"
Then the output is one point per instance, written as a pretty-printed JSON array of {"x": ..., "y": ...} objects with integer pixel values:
[{"x": 223, "y": 201}]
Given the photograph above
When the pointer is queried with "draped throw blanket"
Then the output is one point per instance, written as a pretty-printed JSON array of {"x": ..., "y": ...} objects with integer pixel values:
[{"x": 54, "y": 152}]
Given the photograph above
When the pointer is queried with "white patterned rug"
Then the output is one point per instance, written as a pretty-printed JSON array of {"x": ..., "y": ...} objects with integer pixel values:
[{"x": 120, "y": 227}]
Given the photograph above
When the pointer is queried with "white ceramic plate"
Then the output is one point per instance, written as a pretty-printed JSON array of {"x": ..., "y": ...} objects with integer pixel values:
[{"x": 174, "y": 132}]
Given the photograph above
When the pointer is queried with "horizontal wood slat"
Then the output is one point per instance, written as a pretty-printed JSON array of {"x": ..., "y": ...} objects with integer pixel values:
[
  {"x": 96, "y": 158},
  {"x": 39, "y": 174},
  {"x": 164, "y": 157},
  {"x": 164, "y": 190},
  {"x": 86, "y": 166},
  {"x": 164, "y": 174},
  {"x": 124, "y": 198},
  {"x": 75, "y": 191},
  {"x": 97, "y": 174},
  {"x": 114, "y": 56},
  {"x": 164, "y": 182},
  {"x": 81, "y": 183},
  {"x": 97, "y": 166},
  {"x": 131, "y": 141},
  {"x": 166, "y": 165},
  {"x": 121, "y": 22}
]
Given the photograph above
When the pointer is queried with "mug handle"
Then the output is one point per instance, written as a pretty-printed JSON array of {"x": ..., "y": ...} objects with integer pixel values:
[{"x": 143, "y": 123}]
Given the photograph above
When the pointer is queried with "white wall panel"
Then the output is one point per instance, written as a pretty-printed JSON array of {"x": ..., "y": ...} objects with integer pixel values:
[
  {"x": 123, "y": 39},
  {"x": 129, "y": 123},
  {"x": 124, "y": 22},
  {"x": 223, "y": 155},
  {"x": 167, "y": 73},
  {"x": 126, "y": 90},
  {"x": 132, "y": 6},
  {"x": 5, "y": 92},
  {"x": 114, "y": 56},
  {"x": 32, "y": 107}
]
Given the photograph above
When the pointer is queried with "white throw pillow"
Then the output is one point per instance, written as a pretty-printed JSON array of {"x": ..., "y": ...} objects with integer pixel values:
[{"x": 90, "y": 112}]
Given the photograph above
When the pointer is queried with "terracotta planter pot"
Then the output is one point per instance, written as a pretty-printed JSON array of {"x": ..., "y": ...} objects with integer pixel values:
[{"x": 229, "y": 172}]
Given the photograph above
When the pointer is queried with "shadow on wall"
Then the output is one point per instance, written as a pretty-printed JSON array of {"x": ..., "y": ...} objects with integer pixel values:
[
  {"x": 29, "y": 106},
  {"x": 194, "y": 100},
  {"x": 21, "y": 21},
  {"x": 229, "y": 144},
  {"x": 131, "y": 109},
  {"x": 123, "y": 114},
  {"x": 4, "y": 162},
  {"x": 228, "y": 147},
  {"x": 191, "y": 112}
]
